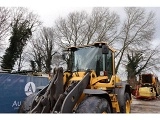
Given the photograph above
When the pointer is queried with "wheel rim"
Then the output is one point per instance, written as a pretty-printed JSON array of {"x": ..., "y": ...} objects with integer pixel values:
[{"x": 128, "y": 107}]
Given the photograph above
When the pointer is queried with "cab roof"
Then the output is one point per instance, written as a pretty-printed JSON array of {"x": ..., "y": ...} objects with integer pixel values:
[{"x": 94, "y": 44}]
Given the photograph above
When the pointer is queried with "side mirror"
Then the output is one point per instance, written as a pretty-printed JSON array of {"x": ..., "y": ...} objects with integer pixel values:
[{"x": 105, "y": 49}]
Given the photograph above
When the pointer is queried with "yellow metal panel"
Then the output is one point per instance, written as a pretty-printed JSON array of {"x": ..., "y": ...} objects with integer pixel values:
[
  {"x": 114, "y": 101},
  {"x": 77, "y": 76},
  {"x": 146, "y": 92},
  {"x": 98, "y": 79}
]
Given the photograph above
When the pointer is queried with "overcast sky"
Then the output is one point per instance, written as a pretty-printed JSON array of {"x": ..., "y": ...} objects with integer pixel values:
[{"x": 50, "y": 10}]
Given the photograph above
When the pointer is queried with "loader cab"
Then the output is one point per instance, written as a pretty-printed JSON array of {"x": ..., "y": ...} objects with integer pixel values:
[
  {"x": 148, "y": 79},
  {"x": 98, "y": 57}
]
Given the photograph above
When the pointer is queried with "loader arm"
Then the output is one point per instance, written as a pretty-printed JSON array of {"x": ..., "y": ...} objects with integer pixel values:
[
  {"x": 69, "y": 98},
  {"x": 44, "y": 103}
]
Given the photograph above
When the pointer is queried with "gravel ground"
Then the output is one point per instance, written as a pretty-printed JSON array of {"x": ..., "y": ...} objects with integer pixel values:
[{"x": 145, "y": 106}]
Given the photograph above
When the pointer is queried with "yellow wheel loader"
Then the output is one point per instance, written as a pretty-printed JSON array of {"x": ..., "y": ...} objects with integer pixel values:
[
  {"x": 88, "y": 85},
  {"x": 148, "y": 87}
]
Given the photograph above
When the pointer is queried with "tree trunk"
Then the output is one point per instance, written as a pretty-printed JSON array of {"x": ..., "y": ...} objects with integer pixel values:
[{"x": 132, "y": 81}]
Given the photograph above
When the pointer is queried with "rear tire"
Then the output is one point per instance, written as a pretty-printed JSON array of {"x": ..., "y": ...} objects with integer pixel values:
[
  {"x": 94, "y": 104},
  {"x": 126, "y": 107}
]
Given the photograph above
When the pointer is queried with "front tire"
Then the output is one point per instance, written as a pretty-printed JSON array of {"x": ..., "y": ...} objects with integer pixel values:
[
  {"x": 94, "y": 104},
  {"x": 126, "y": 107}
]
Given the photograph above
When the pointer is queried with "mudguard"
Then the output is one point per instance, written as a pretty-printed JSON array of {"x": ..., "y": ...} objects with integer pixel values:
[
  {"x": 120, "y": 91},
  {"x": 94, "y": 91}
]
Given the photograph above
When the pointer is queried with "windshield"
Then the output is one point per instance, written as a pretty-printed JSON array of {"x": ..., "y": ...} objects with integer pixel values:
[{"x": 86, "y": 58}]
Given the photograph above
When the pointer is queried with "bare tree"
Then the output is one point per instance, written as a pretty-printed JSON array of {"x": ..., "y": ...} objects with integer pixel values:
[
  {"x": 49, "y": 49},
  {"x": 44, "y": 49},
  {"x": 35, "y": 53},
  {"x": 21, "y": 14},
  {"x": 136, "y": 33},
  {"x": 101, "y": 26},
  {"x": 70, "y": 31},
  {"x": 22, "y": 62},
  {"x": 4, "y": 24},
  {"x": 80, "y": 28},
  {"x": 57, "y": 61}
]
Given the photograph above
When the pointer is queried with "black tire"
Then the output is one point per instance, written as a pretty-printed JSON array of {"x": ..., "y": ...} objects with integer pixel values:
[
  {"x": 94, "y": 104},
  {"x": 26, "y": 104},
  {"x": 126, "y": 107}
]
